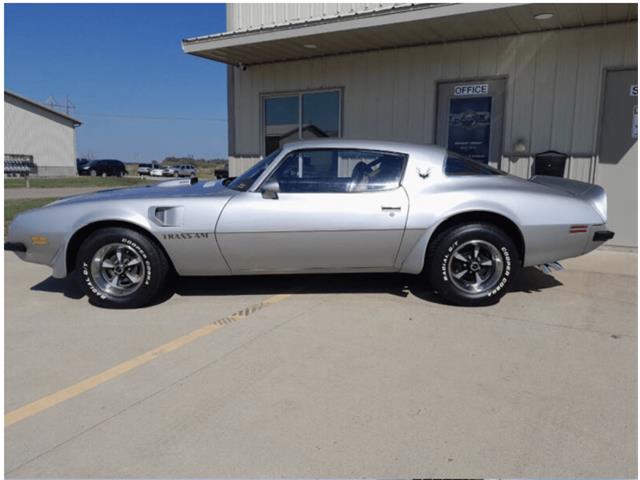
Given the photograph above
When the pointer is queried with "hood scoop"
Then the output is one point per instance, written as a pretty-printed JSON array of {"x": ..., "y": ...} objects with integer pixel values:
[{"x": 184, "y": 182}]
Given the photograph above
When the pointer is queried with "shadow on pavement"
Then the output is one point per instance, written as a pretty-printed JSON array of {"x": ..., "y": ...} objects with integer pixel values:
[{"x": 401, "y": 285}]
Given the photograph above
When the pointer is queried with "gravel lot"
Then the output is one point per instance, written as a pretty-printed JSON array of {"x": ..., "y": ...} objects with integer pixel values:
[{"x": 338, "y": 376}]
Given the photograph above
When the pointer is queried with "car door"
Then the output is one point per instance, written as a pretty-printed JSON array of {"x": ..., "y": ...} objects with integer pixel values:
[{"x": 320, "y": 210}]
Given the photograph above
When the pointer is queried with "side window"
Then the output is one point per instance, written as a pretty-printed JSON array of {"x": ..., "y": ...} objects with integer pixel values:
[{"x": 333, "y": 170}]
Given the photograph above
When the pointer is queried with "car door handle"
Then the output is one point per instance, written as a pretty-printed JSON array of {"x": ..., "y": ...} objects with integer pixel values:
[{"x": 391, "y": 209}]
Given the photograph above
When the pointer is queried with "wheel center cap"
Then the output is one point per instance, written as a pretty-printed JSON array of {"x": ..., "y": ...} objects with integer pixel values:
[
  {"x": 474, "y": 266},
  {"x": 118, "y": 269}
]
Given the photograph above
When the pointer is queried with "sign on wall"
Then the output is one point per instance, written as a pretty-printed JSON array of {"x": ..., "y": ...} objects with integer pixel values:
[
  {"x": 470, "y": 127},
  {"x": 633, "y": 90},
  {"x": 477, "y": 89}
]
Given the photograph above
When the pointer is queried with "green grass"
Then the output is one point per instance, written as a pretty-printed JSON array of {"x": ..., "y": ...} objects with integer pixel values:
[
  {"x": 14, "y": 207},
  {"x": 65, "y": 182}
]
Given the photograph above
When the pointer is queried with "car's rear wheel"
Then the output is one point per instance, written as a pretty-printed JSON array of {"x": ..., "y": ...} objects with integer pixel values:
[
  {"x": 121, "y": 268},
  {"x": 473, "y": 264}
]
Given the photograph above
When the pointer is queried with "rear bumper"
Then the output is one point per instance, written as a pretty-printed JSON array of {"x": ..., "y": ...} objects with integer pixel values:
[
  {"x": 15, "y": 247},
  {"x": 603, "y": 236}
]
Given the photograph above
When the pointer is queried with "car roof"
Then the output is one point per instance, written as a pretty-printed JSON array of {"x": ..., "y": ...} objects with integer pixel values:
[{"x": 400, "y": 147}]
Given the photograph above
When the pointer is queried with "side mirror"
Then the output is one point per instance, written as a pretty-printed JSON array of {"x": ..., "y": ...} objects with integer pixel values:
[{"x": 270, "y": 190}]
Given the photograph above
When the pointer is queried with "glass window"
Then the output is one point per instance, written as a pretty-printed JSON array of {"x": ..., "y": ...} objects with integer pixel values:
[
  {"x": 244, "y": 181},
  {"x": 320, "y": 114},
  {"x": 456, "y": 164},
  {"x": 329, "y": 170},
  {"x": 283, "y": 123}
]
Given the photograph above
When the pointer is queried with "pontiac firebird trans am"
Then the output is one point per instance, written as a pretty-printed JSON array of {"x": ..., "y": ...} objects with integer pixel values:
[{"x": 323, "y": 206}]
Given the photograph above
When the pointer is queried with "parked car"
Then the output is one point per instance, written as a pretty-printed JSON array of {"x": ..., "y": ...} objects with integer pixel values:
[
  {"x": 81, "y": 162},
  {"x": 186, "y": 170},
  {"x": 170, "y": 171},
  {"x": 145, "y": 168},
  {"x": 320, "y": 206},
  {"x": 221, "y": 173},
  {"x": 157, "y": 172},
  {"x": 104, "y": 168}
]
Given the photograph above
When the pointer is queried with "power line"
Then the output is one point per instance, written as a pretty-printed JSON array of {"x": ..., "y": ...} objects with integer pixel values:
[{"x": 151, "y": 117}]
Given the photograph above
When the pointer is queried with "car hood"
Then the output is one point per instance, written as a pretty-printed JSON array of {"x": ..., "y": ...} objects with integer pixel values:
[{"x": 168, "y": 189}]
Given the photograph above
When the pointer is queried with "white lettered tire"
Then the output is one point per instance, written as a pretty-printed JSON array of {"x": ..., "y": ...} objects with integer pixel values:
[
  {"x": 473, "y": 264},
  {"x": 121, "y": 268}
]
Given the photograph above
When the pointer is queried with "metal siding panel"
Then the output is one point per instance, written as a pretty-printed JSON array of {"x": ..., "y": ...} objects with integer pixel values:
[
  {"x": 524, "y": 82},
  {"x": 450, "y": 59},
  {"x": 613, "y": 40},
  {"x": 401, "y": 101},
  {"x": 433, "y": 66},
  {"x": 385, "y": 103},
  {"x": 587, "y": 91},
  {"x": 28, "y": 131},
  {"x": 543, "y": 105},
  {"x": 416, "y": 94},
  {"x": 631, "y": 44},
  {"x": 565, "y": 90},
  {"x": 506, "y": 52}
]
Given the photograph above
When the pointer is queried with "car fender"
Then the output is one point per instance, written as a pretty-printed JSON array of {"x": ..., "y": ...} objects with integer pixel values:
[{"x": 115, "y": 215}]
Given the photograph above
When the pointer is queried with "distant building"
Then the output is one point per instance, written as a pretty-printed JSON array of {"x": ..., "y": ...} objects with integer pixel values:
[
  {"x": 35, "y": 132},
  {"x": 499, "y": 83}
]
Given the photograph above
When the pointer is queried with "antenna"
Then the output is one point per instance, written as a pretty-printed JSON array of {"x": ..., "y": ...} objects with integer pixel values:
[{"x": 68, "y": 107}]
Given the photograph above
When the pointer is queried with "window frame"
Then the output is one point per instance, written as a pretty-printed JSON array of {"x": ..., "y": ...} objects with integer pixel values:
[
  {"x": 299, "y": 94},
  {"x": 269, "y": 172}
]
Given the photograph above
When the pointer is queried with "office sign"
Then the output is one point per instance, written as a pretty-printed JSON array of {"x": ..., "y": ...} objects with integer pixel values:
[{"x": 477, "y": 89}]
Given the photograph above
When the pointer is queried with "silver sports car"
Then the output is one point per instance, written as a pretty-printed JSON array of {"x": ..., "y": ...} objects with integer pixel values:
[{"x": 315, "y": 207}]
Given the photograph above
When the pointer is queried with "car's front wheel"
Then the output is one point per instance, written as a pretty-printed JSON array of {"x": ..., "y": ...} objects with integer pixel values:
[
  {"x": 473, "y": 265},
  {"x": 121, "y": 268}
]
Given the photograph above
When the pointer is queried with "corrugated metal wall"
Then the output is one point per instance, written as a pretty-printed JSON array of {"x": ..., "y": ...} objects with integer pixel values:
[
  {"x": 251, "y": 16},
  {"x": 553, "y": 90},
  {"x": 50, "y": 140}
]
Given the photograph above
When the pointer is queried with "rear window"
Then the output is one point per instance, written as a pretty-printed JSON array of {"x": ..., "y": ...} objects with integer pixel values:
[{"x": 456, "y": 164}]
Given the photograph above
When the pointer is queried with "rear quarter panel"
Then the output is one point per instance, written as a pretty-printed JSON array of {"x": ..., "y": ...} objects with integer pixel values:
[{"x": 542, "y": 214}]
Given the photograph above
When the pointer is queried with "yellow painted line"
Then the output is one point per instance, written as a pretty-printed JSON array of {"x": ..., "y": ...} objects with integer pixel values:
[{"x": 92, "y": 382}]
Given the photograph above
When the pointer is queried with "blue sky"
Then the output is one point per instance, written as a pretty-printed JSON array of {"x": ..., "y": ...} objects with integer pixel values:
[{"x": 117, "y": 61}]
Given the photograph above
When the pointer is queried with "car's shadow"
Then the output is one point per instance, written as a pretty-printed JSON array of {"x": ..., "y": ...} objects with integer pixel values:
[{"x": 531, "y": 280}]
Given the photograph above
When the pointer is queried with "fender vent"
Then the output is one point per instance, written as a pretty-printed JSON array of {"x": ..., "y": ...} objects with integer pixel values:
[{"x": 166, "y": 216}]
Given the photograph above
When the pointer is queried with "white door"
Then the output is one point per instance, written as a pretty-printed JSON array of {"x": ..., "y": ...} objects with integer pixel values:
[{"x": 323, "y": 210}]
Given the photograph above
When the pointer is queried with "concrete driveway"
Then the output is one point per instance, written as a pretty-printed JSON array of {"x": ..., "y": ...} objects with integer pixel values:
[{"x": 338, "y": 376}]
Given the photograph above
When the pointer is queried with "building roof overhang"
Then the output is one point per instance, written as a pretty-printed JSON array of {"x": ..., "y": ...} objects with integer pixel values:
[
  {"x": 412, "y": 25},
  {"x": 45, "y": 108}
]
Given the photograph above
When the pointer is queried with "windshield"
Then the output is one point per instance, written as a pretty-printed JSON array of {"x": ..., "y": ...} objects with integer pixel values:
[{"x": 244, "y": 181}]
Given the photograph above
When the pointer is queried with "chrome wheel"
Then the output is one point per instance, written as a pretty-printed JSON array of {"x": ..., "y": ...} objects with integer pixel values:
[
  {"x": 118, "y": 269},
  {"x": 475, "y": 266}
]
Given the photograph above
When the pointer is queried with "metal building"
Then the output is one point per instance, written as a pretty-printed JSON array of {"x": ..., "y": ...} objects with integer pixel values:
[
  {"x": 497, "y": 82},
  {"x": 39, "y": 134}
]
